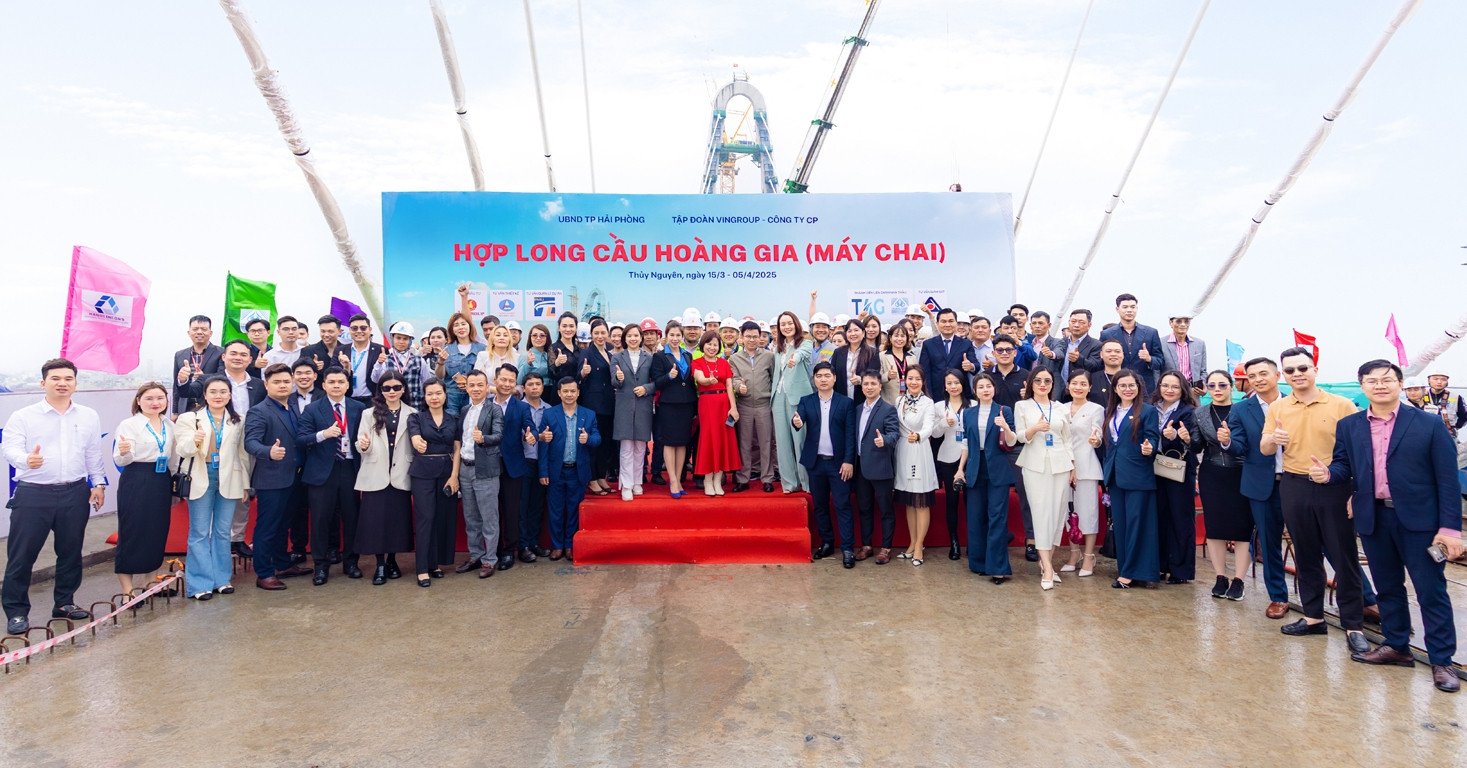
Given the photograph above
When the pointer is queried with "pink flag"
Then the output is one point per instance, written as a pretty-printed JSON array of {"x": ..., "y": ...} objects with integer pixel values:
[
  {"x": 104, "y": 313},
  {"x": 1394, "y": 338}
]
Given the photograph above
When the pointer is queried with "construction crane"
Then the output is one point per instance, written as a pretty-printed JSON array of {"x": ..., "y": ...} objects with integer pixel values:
[
  {"x": 799, "y": 181},
  {"x": 725, "y": 149}
]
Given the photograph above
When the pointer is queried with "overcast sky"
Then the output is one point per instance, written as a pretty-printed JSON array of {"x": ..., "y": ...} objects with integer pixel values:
[{"x": 135, "y": 128}]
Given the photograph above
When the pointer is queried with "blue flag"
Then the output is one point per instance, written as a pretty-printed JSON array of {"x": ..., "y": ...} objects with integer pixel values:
[{"x": 1235, "y": 352}]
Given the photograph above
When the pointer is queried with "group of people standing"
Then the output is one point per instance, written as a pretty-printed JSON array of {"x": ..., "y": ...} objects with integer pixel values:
[{"x": 354, "y": 448}]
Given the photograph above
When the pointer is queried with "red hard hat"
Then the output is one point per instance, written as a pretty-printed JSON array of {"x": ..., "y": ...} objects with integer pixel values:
[{"x": 648, "y": 324}]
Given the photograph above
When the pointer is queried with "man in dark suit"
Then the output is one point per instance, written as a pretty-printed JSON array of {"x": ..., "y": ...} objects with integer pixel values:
[
  {"x": 877, "y": 431},
  {"x": 568, "y": 436},
  {"x": 946, "y": 351},
  {"x": 303, "y": 371},
  {"x": 1402, "y": 467},
  {"x": 193, "y": 363},
  {"x": 828, "y": 457},
  {"x": 270, "y": 437},
  {"x": 329, "y": 352},
  {"x": 327, "y": 434},
  {"x": 514, "y": 468},
  {"x": 1261, "y": 476},
  {"x": 1141, "y": 343},
  {"x": 1077, "y": 350}
]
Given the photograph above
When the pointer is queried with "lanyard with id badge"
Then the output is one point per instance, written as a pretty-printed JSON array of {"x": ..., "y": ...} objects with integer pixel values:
[
  {"x": 1048, "y": 436},
  {"x": 218, "y": 440},
  {"x": 160, "y": 464}
]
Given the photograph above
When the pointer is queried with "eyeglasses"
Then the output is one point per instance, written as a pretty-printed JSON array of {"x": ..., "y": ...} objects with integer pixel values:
[
  {"x": 360, "y": 328},
  {"x": 1300, "y": 369},
  {"x": 1218, "y": 385},
  {"x": 1003, "y": 350},
  {"x": 1380, "y": 382},
  {"x": 392, "y": 388}
]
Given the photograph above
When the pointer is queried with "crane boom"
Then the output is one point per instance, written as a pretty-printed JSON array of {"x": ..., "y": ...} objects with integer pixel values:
[{"x": 799, "y": 180}]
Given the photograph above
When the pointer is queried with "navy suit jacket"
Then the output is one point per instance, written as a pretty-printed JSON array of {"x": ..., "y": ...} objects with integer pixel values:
[
  {"x": 842, "y": 428},
  {"x": 1125, "y": 467},
  {"x": 877, "y": 463},
  {"x": 596, "y": 391},
  {"x": 1000, "y": 471},
  {"x": 512, "y": 449},
  {"x": 1185, "y": 416},
  {"x": 553, "y": 452},
  {"x": 320, "y": 456},
  {"x": 1421, "y": 464},
  {"x": 1144, "y": 336},
  {"x": 183, "y": 402},
  {"x": 264, "y": 424},
  {"x": 1245, "y": 422},
  {"x": 936, "y": 362}
]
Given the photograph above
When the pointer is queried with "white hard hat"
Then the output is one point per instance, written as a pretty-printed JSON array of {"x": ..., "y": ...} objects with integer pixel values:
[
  {"x": 1415, "y": 382},
  {"x": 972, "y": 313},
  {"x": 711, "y": 317},
  {"x": 841, "y": 320},
  {"x": 1442, "y": 372},
  {"x": 401, "y": 328},
  {"x": 513, "y": 325},
  {"x": 763, "y": 326},
  {"x": 819, "y": 318},
  {"x": 915, "y": 309},
  {"x": 729, "y": 322},
  {"x": 691, "y": 317},
  {"x": 924, "y": 333},
  {"x": 583, "y": 331}
]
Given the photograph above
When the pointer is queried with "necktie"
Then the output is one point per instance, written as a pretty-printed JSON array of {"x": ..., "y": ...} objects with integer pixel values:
[
  {"x": 947, "y": 347},
  {"x": 341, "y": 441}
]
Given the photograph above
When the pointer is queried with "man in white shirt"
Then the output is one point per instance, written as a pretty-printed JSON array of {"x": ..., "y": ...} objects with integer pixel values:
[
  {"x": 362, "y": 357},
  {"x": 55, "y": 447},
  {"x": 288, "y": 337}
]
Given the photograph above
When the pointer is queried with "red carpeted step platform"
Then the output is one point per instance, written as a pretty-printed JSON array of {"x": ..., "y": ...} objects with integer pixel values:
[{"x": 656, "y": 529}]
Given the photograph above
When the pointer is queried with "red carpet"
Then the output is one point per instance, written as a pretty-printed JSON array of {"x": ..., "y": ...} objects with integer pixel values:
[{"x": 655, "y": 529}]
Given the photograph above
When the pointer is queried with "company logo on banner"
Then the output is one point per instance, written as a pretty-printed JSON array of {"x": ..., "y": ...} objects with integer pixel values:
[
  {"x": 932, "y": 300},
  {"x": 888, "y": 304},
  {"x": 109, "y": 308},
  {"x": 478, "y": 302},
  {"x": 543, "y": 304},
  {"x": 507, "y": 305}
]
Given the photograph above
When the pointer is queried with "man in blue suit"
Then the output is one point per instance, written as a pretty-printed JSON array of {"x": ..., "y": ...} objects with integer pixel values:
[
  {"x": 327, "y": 433},
  {"x": 877, "y": 431},
  {"x": 828, "y": 457},
  {"x": 270, "y": 432},
  {"x": 1261, "y": 476},
  {"x": 1401, "y": 465},
  {"x": 568, "y": 436},
  {"x": 1141, "y": 343},
  {"x": 946, "y": 351},
  {"x": 514, "y": 468}
]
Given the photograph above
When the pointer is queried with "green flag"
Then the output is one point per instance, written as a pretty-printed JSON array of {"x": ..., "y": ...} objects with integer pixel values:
[{"x": 245, "y": 300}]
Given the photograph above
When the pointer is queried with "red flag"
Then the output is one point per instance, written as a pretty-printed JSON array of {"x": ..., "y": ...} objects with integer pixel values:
[
  {"x": 1305, "y": 340},
  {"x": 1394, "y": 337}
]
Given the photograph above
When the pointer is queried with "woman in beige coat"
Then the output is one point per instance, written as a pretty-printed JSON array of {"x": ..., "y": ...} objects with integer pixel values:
[
  {"x": 210, "y": 442},
  {"x": 384, "y": 522},
  {"x": 1043, "y": 426}
]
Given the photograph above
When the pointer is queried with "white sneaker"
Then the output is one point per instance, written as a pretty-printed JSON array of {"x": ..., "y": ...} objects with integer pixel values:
[
  {"x": 637, "y": 490},
  {"x": 626, "y": 494}
]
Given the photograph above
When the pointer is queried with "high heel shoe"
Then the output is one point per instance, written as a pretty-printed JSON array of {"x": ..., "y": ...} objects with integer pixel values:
[
  {"x": 393, "y": 572},
  {"x": 1070, "y": 566},
  {"x": 379, "y": 576},
  {"x": 718, "y": 484},
  {"x": 1087, "y": 566},
  {"x": 954, "y": 552},
  {"x": 708, "y": 485}
]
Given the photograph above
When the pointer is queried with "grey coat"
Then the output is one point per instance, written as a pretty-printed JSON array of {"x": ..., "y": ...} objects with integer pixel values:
[
  {"x": 486, "y": 454},
  {"x": 633, "y": 413}
]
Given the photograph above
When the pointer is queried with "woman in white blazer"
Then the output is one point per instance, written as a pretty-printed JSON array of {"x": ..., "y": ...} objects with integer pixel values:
[
  {"x": 916, "y": 474},
  {"x": 143, "y": 449},
  {"x": 1048, "y": 465},
  {"x": 1086, "y": 418},
  {"x": 384, "y": 518},
  {"x": 210, "y": 441}
]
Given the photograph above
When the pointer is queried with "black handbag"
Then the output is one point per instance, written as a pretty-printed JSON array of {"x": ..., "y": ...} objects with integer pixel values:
[{"x": 183, "y": 482}]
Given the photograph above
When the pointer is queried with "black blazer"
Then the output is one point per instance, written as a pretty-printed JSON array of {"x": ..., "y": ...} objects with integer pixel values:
[
  {"x": 842, "y": 428},
  {"x": 194, "y": 391},
  {"x": 572, "y": 368},
  {"x": 877, "y": 463},
  {"x": 1089, "y": 350},
  {"x": 182, "y": 401},
  {"x": 936, "y": 363},
  {"x": 1186, "y": 416},
  {"x": 596, "y": 391},
  {"x": 325, "y": 358},
  {"x": 674, "y": 389},
  {"x": 265, "y": 424},
  {"x": 320, "y": 456},
  {"x": 866, "y": 359}
]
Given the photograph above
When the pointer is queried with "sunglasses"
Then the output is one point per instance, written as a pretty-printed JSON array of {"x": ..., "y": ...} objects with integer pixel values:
[
  {"x": 360, "y": 328},
  {"x": 392, "y": 388},
  {"x": 1218, "y": 385},
  {"x": 1003, "y": 350},
  {"x": 1300, "y": 369}
]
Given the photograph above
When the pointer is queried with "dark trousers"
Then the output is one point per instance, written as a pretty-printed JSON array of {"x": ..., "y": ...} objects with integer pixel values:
[
  {"x": 951, "y": 497},
  {"x": 878, "y": 494},
  {"x": 608, "y": 453},
  {"x": 532, "y": 506},
  {"x": 1176, "y": 517},
  {"x": 1315, "y": 515},
  {"x": 1133, "y": 518},
  {"x": 988, "y": 528},
  {"x": 658, "y": 462},
  {"x": 333, "y": 507},
  {"x": 1013, "y": 459},
  {"x": 434, "y": 515},
  {"x": 300, "y": 519},
  {"x": 825, "y": 483},
  {"x": 564, "y": 500},
  {"x": 38, "y": 511},
  {"x": 511, "y": 496},
  {"x": 1395, "y": 552},
  {"x": 273, "y": 518},
  {"x": 1268, "y": 526}
]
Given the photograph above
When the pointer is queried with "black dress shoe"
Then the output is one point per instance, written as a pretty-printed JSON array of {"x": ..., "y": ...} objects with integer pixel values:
[
  {"x": 506, "y": 561},
  {"x": 352, "y": 570},
  {"x": 659, "y": 480},
  {"x": 243, "y": 550},
  {"x": 823, "y": 551},
  {"x": 468, "y": 565},
  {"x": 1031, "y": 553},
  {"x": 393, "y": 571},
  {"x": 425, "y": 582},
  {"x": 335, "y": 557},
  {"x": 740, "y": 487},
  {"x": 297, "y": 558},
  {"x": 526, "y": 556},
  {"x": 1220, "y": 587},
  {"x": 954, "y": 552},
  {"x": 848, "y": 559},
  {"x": 319, "y": 577},
  {"x": 379, "y": 576},
  {"x": 769, "y": 487},
  {"x": 1173, "y": 580},
  {"x": 17, "y": 625},
  {"x": 1301, "y": 627},
  {"x": 70, "y": 611},
  {"x": 1357, "y": 642},
  {"x": 436, "y": 573},
  {"x": 540, "y": 551}
]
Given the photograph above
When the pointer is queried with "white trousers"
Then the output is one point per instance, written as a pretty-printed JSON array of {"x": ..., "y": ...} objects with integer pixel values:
[
  {"x": 1047, "y": 504},
  {"x": 633, "y": 461}
]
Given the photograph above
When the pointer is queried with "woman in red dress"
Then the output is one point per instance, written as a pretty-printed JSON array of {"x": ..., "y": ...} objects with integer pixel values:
[{"x": 718, "y": 447}]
